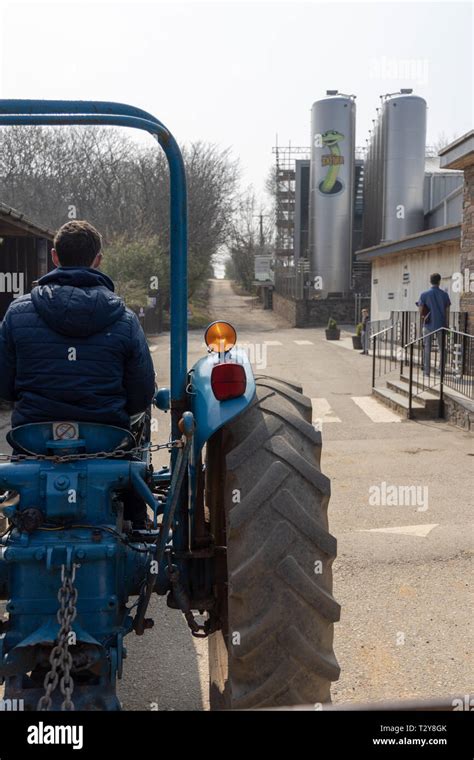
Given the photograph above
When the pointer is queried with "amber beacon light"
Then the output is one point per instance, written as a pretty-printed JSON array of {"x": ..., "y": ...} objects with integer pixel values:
[{"x": 220, "y": 337}]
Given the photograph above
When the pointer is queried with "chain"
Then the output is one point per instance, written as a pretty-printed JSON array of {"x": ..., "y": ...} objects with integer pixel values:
[
  {"x": 60, "y": 658},
  {"x": 118, "y": 453}
]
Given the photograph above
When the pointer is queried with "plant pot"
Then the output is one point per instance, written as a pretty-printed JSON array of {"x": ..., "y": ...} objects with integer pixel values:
[
  {"x": 333, "y": 334},
  {"x": 357, "y": 342}
]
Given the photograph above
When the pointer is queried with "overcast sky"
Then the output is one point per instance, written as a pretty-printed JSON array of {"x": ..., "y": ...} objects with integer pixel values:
[{"x": 238, "y": 73}]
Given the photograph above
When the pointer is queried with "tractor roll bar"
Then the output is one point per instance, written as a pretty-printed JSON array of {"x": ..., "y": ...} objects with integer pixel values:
[{"x": 59, "y": 112}]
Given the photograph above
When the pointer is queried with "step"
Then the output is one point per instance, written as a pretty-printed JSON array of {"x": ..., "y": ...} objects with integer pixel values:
[
  {"x": 419, "y": 383},
  {"x": 399, "y": 404},
  {"x": 430, "y": 397},
  {"x": 448, "y": 383}
]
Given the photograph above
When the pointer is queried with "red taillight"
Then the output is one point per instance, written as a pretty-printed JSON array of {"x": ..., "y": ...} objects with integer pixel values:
[{"x": 228, "y": 380}]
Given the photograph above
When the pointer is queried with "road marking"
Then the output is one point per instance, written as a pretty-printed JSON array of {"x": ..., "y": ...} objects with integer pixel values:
[
  {"x": 406, "y": 530},
  {"x": 375, "y": 410},
  {"x": 304, "y": 342},
  {"x": 272, "y": 343},
  {"x": 322, "y": 412}
]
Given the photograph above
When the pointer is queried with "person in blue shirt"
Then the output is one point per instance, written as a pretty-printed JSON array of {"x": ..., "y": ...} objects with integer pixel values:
[
  {"x": 70, "y": 350},
  {"x": 433, "y": 306},
  {"x": 365, "y": 331}
]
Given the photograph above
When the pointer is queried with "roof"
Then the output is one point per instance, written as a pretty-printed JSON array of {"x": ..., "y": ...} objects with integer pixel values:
[
  {"x": 424, "y": 239},
  {"x": 13, "y": 221},
  {"x": 432, "y": 166},
  {"x": 459, "y": 153}
]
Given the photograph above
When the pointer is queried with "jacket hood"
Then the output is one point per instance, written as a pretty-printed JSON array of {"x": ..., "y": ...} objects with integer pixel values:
[{"x": 77, "y": 301}]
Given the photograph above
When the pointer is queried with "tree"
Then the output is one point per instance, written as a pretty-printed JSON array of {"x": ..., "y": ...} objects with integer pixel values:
[
  {"x": 442, "y": 141},
  {"x": 251, "y": 235},
  {"x": 139, "y": 269},
  {"x": 101, "y": 174}
]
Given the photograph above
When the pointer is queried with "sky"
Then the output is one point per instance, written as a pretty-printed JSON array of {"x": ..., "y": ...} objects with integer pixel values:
[{"x": 240, "y": 73}]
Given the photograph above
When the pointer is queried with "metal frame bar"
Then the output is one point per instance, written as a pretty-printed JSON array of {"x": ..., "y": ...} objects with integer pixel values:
[{"x": 59, "y": 112}]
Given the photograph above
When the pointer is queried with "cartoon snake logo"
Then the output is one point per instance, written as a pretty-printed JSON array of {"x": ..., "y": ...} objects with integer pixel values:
[{"x": 331, "y": 185}]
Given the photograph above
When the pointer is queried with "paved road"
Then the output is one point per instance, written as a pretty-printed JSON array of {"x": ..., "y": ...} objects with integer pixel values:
[
  {"x": 402, "y": 572},
  {"x": 405, "y": 629}
]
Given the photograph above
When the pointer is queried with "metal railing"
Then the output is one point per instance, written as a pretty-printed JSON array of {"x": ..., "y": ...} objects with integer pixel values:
[
  {"x": 411, "y": 326},
  {"x": 437, "y": 360},
  {"x": 292, "y": 283},
  {"x": 300, "y": 283},
  {"x": 432, "y": 361},
  {"x": 387, "y": 350}
]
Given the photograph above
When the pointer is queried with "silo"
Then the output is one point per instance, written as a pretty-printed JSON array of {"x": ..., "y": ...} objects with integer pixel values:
[
  {"x": 366, "y": 193},
  {"x": 379, "y": 176},
  {"x": 332, "y": 190},
  {"x": 404, "y": 130}
]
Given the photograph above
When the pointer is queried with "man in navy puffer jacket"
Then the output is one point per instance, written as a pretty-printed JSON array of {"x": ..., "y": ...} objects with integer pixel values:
[{"x": 70, "y": 349}]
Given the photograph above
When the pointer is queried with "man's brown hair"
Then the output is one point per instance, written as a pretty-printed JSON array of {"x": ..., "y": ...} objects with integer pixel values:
[{"x": 77, "y": 243}]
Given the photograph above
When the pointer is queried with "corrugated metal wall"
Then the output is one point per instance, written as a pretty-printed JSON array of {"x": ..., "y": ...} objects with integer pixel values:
[{"x": 398, "y": 281}]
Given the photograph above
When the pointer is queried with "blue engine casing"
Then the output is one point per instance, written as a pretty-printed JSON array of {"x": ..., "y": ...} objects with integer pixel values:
[{"x": 79, "y": 497}]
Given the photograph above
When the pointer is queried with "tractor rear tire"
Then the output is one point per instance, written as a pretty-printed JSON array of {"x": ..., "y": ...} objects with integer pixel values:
[{"x": 268, "y": 504}]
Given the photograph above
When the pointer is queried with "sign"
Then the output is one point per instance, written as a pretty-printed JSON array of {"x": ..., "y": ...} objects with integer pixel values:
[
  {"x": 65, "y": 431},
  {"x": 331, "y": 184},
  {"x": 263, "y": 269}
]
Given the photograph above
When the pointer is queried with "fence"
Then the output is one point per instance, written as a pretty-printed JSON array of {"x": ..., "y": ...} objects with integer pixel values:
[
  {"x": 431, "y": 361},
  {"x": 437, "y": 360}
]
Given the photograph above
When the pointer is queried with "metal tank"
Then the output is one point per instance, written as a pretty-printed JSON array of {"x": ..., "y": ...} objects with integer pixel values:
[
  {"x": 366, "y": 217},
  {"x": 380, "y": 146},
  {"x": 331, "y": 200},
  {"x": 404, "y": 137}
]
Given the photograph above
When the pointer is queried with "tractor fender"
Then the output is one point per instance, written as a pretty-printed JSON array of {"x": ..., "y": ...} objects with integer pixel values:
[{"x": 209, "y": 413}]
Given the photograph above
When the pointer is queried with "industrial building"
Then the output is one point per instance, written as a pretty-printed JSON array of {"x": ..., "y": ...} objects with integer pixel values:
[
  {"x": 368, "y": 228},
  {"x": 401, "y": 265},
  {"x": 412, "y": 212},
  {"x": 365, "y": 226}
]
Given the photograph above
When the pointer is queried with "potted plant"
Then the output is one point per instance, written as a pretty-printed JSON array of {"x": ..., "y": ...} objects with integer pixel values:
[
  {"x": 332, "y": 330},
  {"x": 357, "y": 338}
]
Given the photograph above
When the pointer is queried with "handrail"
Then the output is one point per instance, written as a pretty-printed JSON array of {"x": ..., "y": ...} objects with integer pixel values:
[
  {"x": 433, "y": 332},
  {"x": 382, "y": 331},
  {"x": 55, "y": 112},
  {"x": 453, "y": 361},
  {"x": 462, "y": 384},
  {"x": 373, "y": 338}
]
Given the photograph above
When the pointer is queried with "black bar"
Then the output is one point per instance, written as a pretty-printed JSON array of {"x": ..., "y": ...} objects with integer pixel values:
[
  {"x": 373, "y": 361},
  {"x": 442, "y": 361}
]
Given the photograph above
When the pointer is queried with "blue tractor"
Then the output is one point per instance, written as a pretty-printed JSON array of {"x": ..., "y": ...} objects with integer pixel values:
[{"x": 239, "y": 539}]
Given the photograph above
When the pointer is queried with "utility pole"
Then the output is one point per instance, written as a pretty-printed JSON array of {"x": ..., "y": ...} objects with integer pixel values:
[
  {"x": 262, "y": 241},
  {"x": 261, "y": 217}
]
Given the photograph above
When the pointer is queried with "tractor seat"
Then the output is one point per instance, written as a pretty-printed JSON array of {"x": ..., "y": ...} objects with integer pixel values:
[{"x": 64, "y": 438}]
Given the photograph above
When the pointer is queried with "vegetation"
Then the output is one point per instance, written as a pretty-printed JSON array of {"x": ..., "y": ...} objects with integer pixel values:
[
  {"x": 121, "y": 186},
  {"x": 250, "y": 235},
  {"x": 101, "y": 174}
]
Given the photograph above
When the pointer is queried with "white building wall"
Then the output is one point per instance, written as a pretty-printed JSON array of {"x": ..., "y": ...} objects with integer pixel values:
[{"x": 398, "y": 279}]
